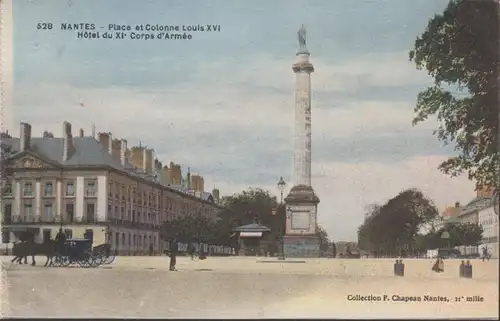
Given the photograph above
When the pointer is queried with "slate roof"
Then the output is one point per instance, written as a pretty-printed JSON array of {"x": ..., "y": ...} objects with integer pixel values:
[
  {"x": 476, "y": 204},
  {"x": 89, "y": 152},
  {"x": 254, "y": 227}
]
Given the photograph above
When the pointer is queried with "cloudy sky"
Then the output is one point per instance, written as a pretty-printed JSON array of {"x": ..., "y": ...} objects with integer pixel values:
[{"x": 222, "y": 102}]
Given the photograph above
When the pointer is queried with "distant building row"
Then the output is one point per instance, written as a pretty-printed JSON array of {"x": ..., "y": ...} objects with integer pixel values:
[
  {"x": 481, "y": 211},
  {"x": 95, "y": 185}
]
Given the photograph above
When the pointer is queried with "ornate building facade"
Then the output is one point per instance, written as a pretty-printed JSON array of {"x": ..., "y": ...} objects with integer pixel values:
[{"x": 89, "y": 185}]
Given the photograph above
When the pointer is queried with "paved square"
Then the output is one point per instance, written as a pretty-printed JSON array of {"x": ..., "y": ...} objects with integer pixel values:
[{"x": 235, "y": 287}]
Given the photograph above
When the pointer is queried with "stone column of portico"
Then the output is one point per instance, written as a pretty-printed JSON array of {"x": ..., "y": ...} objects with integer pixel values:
[{"x": 38, "y": 201}]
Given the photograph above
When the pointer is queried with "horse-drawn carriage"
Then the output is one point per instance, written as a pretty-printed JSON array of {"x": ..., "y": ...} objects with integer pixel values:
[{"x": 80, "y": 251}]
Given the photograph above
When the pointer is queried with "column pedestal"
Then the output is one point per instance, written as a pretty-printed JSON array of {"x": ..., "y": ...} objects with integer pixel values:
[
  {"x": 301, "y": 239},
  {"x": 306, "y": 246}
]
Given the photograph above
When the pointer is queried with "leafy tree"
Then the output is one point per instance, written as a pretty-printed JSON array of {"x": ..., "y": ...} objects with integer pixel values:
[
  {"x": 189, "y": 228},
  {"x": 249, "y": 206},
  {"x": 460, "y": 50},
  {"x": 393, "y": 226},
  {"x": 324, "y": 240},
  {"x": 462, "y": 234}
]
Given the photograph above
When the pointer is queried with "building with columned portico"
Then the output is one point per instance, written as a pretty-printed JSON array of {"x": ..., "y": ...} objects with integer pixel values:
[{"x": 87, "y": 184}]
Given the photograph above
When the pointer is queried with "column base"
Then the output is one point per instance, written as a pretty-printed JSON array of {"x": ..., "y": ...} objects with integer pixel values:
[{"x": 304, "y": 246}]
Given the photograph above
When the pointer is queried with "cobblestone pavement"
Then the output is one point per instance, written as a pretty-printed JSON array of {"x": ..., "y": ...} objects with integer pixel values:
[{"x": 237, "y": 287}]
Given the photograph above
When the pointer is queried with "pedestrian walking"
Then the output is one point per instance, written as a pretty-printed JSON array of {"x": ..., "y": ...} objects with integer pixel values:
[{"x": 173, "y": 254}]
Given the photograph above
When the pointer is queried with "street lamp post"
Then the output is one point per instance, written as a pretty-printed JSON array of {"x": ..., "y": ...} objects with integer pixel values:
[
  {"x": 281, "y": 187},
  {"x": 446, "y": 236}
]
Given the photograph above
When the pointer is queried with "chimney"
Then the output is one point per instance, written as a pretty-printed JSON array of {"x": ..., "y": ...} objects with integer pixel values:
[
  {"x": 68, "y": 141},
  {"x": 147, "y": 160},
  {"x": 81, "y": 132},
  {"x": 116, "y": 149},
  {"x": 152, "y": 160},
  {"x": 110, "y": 145},
  {"x": 457, "y": 204},
  {"x": 167, "y": 175},
  {"x": 215, "y": 195},
  {"x": 137, "y": 156},
  {"x": 123, "y": 151},
  {"x": 106, "y": 141},
  {"x": 25, "y": 137}
]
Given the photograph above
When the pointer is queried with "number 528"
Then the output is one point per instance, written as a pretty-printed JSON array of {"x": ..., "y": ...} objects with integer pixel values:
[{"x": 44, "y": 26}]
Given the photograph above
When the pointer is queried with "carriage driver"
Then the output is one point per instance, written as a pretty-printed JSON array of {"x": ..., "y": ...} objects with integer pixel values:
[{"x": 60, "y": 240}]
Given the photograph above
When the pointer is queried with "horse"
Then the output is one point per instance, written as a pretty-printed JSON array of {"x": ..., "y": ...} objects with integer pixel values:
[{"x": 24, "y": 249}]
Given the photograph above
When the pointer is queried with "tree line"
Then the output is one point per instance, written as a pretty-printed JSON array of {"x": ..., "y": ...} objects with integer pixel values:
[
  {"x": 253, "y": 205},
  {"x": 394, "y": 228}
]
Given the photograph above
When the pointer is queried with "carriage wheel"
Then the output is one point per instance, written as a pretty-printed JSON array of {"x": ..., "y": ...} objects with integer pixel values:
[
  {"x": 86, "y": 260},
  {"x": 56, "y": 262},
  {"x": 65, "y": 261},
  {"x": 96, "y": 260},
  {"x": 110, "y": 259}
]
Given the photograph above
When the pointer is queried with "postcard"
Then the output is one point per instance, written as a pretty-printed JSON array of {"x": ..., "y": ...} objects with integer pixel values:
[{"x": 249, "y": 159}]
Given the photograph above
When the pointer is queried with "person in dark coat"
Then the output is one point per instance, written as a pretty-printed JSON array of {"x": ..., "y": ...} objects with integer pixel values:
[
  {"x": 191, "y": 250},
  {"x": 173, "y": 254},
  {"x": 60, "y": 240}
]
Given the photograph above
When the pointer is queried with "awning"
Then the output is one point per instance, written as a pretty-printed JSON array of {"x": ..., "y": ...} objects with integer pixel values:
[{"x": 250, "y": 234}]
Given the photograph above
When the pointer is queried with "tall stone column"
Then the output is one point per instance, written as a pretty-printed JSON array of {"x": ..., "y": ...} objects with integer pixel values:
[
  {"x": 302, "y": 129},
  {"x": 300, "y": 239}
]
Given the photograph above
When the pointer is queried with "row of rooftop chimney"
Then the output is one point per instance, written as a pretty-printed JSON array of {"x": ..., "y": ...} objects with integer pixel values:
[{"x": 138, "y": 156}]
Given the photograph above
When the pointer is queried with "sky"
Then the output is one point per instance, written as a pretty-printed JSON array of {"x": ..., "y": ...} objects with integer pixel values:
[{"x": 222, "y": 102}]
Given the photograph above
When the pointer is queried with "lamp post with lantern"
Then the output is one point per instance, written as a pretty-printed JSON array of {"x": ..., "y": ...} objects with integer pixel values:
[{"x": 276, "y": 212}]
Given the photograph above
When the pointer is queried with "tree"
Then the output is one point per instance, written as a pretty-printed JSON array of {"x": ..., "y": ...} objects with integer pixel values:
[
  {"x": 189, "y": 228},
  {"x": 249, "y": 206},
  {"x": 460, "y": 50},
  {"x": 323, "y": 237},
  {"x": 463, "y": 234},
  {"x": 389, "y": 228}
]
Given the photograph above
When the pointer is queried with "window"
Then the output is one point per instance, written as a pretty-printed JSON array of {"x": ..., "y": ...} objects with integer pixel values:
[
  {"x": 140, "y": 240},
  {"x": 69, "y": 233},
  {"x": 28, "y": 189},
  {"x": 7, "y": 212},
  {"x": 133, "y": 216},
  {"x": 47, "y": 212},
  {"x": 123, "y": 238},
  {"x": 70, "y": 189},
  {"x": 110, "y": 188},
  {"x": 70, "y": 207},
  {"x": 117, "y": 239},
  {"x": 90, "y": 189},
  {"x": 28, "y": 211},
  {"x": 129, "y": 239},
  {"x": 122, "y": 213},
  {"x": 90, "y": 213},
  {"x": 117, "y": 214},
  {"x": 48, "y": 189},
  {"x": 110, "y": 211},
  {"x": 7, "y": 190},
  {"x": 135, "y": 239}
]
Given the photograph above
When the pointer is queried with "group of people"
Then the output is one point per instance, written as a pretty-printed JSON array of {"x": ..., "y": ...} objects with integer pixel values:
[{"x": 174, "y": 249}]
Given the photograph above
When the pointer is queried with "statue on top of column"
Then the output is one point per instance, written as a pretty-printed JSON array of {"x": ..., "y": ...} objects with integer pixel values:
[{"x": 302, "y": 37}]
